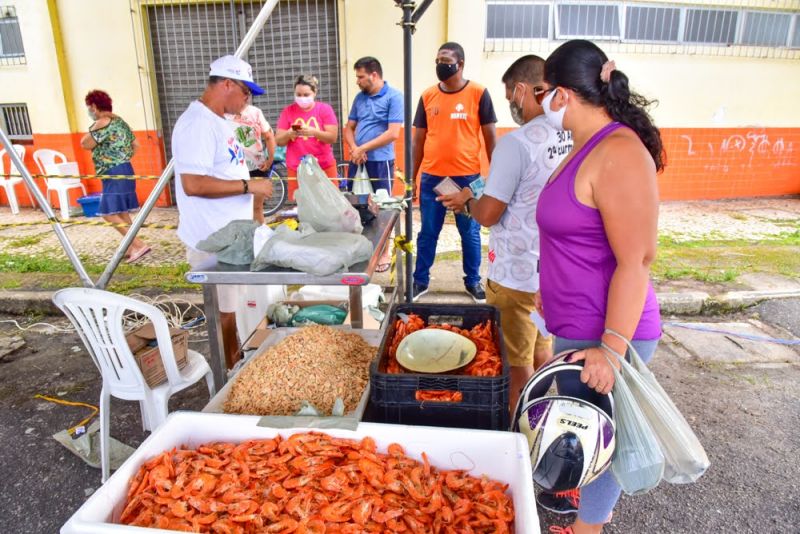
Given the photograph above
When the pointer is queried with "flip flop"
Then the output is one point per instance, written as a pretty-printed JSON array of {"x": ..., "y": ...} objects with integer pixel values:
[
  {"x": 139, "y": 255},
  {"x": 382, "y": 267}
]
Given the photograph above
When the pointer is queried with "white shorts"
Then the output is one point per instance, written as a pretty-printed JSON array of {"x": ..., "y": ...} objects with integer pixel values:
[{"x": 227, "y": 295}]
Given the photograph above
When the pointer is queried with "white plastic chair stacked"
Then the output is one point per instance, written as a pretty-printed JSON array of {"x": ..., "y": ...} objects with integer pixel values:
[
  {"x": 98, "y": 317},
  {"x": 46, "y": 160},
  {"x": 10, "y": 183}
]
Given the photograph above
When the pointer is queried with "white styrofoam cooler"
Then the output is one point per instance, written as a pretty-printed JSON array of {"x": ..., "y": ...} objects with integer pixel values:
[{"x": 502, "y": 456}]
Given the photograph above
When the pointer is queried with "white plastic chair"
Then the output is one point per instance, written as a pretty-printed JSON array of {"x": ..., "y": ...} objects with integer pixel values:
[
  {"x": 10, "y": 183},
  {"x": 47, "y": 161},
  {"x": 98, "y": 317}
]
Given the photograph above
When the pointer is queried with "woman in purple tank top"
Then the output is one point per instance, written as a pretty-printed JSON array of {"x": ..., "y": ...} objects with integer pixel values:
[{"x": 598, "y": 219}]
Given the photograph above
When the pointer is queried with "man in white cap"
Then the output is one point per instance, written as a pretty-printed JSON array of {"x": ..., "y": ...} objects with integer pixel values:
[{"x": 212, "y": 183}]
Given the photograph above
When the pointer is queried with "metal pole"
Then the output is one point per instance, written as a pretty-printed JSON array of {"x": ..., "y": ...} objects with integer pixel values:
[
  {"x": 408, "y": 26},
  {"x": 48, "y": 211},
  {"x": 421, "y": 11},
  {"x": 137, "y": 223}
]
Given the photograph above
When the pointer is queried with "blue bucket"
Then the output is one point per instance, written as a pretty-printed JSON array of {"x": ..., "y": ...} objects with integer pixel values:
[{"x": 90, "y": 204}]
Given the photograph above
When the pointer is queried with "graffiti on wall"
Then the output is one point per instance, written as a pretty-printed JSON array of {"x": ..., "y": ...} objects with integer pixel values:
[{"x": 742, "y": 151}]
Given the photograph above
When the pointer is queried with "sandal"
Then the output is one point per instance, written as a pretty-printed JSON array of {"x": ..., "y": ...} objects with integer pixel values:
[
  {"x": 136, "y": 256},
  {"x": 382, "y": 267}
]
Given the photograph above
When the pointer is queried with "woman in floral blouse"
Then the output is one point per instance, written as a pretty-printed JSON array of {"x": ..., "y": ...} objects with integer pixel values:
[{"x": 112, "y": 144}]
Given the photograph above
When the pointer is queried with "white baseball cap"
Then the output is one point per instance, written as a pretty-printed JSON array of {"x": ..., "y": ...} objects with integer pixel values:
[{"x": 236, "y": 69}]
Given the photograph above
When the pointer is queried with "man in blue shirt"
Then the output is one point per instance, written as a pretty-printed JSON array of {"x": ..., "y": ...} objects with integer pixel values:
[{"x": 373, "y": 125}]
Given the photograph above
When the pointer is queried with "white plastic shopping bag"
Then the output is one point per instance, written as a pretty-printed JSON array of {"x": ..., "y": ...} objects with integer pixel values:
[
  {"x": 685, "y": 458},
  {"x": 361, "y": 182},
  {"x": 638, "y": 463},
  {"x": 320, "y": 204}
]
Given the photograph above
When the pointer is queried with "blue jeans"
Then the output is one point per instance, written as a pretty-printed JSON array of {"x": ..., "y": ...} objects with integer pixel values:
[
  {"x": 599, "y": 497},
  {"x": 432, "y": 213}
]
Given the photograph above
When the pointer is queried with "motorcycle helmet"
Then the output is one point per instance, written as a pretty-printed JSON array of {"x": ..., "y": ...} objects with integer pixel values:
[{"x": 571, "y": 440}]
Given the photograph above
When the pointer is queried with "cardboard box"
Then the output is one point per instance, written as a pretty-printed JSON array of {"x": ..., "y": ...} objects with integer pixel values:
[
  {"x": 503, "y": 456},
  {"x": 146, "y": 353}
]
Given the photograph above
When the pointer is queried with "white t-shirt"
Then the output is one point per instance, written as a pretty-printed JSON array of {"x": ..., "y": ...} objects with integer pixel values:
[
  {"x": 204, "y": 143},
  {"x": 522, "y": 162}
]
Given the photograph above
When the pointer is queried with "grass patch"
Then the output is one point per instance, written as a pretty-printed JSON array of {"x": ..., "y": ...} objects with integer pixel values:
[
  {"x": 42, "y": 272},
  {"x": 724, "y": 261},
  {"x": 26, "y": 241}
]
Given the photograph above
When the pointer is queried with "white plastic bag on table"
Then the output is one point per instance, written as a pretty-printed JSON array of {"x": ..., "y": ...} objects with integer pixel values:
[
  {"x": 685, "y": 458},
  {"x": 638, "y": 463},
  {"x": 320, "y": 204},
  {"x": 361, "y": 183},
  {"x": 260, "y": 237},
  {"x": 317, "y": 253}
]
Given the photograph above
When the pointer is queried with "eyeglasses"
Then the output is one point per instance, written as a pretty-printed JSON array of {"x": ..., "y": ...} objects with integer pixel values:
[
  {"x": 243, "y": 87},
  {"x": 540, "y": 92}
]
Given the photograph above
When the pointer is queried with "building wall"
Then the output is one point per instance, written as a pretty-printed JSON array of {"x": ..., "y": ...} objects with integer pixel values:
[
  {"x": 730, "y": 124},
  {"x": 96, "y": 56}
]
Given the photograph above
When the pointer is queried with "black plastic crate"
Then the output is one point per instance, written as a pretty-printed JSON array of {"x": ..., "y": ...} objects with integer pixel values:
[
  {"x": 485, "y": 398},
  {"x": 440, "y": 414}
]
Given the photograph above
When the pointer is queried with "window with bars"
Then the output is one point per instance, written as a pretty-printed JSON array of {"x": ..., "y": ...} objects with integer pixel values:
[
  {"x": 518, "y": 21},
  {"x": 652, "y": 24},
  {"x": 765, "y": 29},
  {"x": 15, "y": 122},
  {"x": 641, "y": 23},
  {"x": 587, "y": 21},
  {"x": 710, "y": 26},
  {"x": 11, "y": 49},
  {"x": 796, "y": 36}
]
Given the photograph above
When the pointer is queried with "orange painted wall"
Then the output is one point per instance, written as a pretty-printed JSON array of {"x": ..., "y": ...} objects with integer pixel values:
[
  {"x": 702, "y": 163},
  {"x": 148, "y": 160},
  {"x": 716, "y": 163}
]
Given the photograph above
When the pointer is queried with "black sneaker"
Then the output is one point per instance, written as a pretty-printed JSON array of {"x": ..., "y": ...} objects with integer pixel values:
[
  {"x": 419, "y": 290},
  {"x": 560, "y": 502},
  {"x": 476, "y": 292}
]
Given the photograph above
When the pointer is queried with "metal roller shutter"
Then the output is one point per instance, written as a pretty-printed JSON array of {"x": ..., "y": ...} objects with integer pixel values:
[{"x": 300, "y": 36}]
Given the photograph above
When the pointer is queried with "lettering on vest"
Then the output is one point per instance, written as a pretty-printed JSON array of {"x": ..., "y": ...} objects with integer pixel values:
[{"x": 459, "y": 113}]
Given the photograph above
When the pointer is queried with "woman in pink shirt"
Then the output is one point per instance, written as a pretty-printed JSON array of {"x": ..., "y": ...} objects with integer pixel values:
[{"x": 307, "y": 127}]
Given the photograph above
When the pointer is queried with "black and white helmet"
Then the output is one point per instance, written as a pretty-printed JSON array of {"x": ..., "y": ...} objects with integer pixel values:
[{"x": 571, "y": 441}]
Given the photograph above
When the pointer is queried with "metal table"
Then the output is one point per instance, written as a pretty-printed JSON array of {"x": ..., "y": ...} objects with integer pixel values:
[{"x": 377, "y": 231}]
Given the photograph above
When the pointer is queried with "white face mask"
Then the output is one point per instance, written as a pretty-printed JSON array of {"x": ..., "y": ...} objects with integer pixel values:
[
  {"x": 304, "y": 101},
  {"x": 555, "y": 118},
  {"x": 516, "y": 109}
]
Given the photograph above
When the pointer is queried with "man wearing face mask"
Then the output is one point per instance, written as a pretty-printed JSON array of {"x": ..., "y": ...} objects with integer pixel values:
[
  {"x": 212, "y": 183},
  {"x": 521, "y": 165},
  {"x": 451, "y": 118}
]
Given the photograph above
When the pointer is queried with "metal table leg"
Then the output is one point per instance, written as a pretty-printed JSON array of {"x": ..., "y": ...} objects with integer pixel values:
[
  {"x": 400, "y": 287},
  {"x": 356, "y": 309},
  {"x": 215, "y": 347}
]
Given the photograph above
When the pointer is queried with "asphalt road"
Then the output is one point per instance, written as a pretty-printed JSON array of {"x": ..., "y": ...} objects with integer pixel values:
[
  {"x": 747, "y": 416},
  {"x": 784, "y": 313}
]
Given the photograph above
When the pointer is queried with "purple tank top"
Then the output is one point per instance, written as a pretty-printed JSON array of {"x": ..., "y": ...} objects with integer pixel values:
[{"x": 576, "y": 261}]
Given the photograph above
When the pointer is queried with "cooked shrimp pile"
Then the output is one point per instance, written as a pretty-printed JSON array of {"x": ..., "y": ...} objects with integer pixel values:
[
  {"x": 311, "y": 483},
  {"x": 318, "y": 364}
]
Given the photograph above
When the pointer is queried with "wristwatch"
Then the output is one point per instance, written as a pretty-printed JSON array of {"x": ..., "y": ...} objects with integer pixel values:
[{"x": 246, "y": 187}]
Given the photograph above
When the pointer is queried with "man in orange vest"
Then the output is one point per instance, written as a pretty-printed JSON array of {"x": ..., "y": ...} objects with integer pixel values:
[{"x": 451, "y": 118}]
